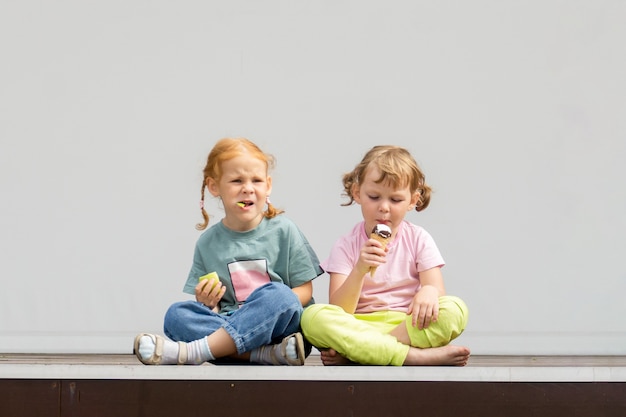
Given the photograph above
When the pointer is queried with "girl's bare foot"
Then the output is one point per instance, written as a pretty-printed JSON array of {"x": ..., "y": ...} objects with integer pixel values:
[
  {"x": 445, "y": 355},
  {"x": 330, "y": 357}
]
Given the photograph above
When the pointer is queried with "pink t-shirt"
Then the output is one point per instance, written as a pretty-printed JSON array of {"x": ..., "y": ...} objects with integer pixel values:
[{"x": 395, "y": 282}]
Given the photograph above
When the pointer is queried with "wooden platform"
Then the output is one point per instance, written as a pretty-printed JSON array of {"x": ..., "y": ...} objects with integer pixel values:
[{"x": 503, "y": 386}]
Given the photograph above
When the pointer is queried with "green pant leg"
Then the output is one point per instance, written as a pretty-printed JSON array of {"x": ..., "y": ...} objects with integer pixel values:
[
  {"x": 329, "y": 326},
  {"x": 453, "y": 315}
]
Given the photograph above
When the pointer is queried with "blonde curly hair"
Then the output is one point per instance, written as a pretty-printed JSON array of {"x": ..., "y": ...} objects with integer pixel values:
[{"x": 397, "y": 168}]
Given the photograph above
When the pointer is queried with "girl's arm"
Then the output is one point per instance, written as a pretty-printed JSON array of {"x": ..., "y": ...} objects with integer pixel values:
[
  {"x": 344, "y": 291},
  {"x": 304, "y": 292},
  {"x": 434, "y": 277},
  {"x": 425, "y": 305}
]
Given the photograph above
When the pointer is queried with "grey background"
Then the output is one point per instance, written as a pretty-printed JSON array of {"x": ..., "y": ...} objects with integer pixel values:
[{"x": 515, "y": 111}]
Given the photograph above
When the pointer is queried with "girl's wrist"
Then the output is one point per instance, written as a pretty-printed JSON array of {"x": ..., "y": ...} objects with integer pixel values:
[{"x": 429, "y": 286}]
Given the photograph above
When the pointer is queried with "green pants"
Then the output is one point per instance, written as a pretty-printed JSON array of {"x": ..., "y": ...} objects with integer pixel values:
[{"x": 365, "y": 338}]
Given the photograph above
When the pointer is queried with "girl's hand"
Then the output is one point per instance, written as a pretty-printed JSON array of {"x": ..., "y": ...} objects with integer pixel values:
[
  {"x": 372, "y": 255},
  {"x": 210, "y": 292},
  {"x": 425, "y": 307}
]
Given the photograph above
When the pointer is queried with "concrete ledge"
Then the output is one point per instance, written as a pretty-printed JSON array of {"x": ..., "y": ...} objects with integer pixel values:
[{"x": 480, "y": 369}]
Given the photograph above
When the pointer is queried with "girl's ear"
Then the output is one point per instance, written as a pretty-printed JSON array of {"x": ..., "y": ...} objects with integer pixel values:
[
  {"x": 356, "y": 193},
  {"x": 269, "y": 185},
  {"x": 415, "y": 198},
  {"x": 212, "y": 186}
]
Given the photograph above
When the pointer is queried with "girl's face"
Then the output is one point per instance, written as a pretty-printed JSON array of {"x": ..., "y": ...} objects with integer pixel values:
[
  {"x": 243, "y": 189},
  {"x": 381, "y": 203}
]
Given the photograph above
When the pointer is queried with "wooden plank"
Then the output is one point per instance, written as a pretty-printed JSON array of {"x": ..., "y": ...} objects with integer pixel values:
[
  {"x": 30, "y": 398},
  {"x": 330, "y": 398}
]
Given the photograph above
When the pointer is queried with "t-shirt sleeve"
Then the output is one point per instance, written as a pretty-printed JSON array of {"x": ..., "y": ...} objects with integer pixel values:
[
  {"x": 304, "y": 265},
  {"x": 428, "y": 252},
  {"x": 341, "y": 259},
  {"x": 197, "y": 270}
]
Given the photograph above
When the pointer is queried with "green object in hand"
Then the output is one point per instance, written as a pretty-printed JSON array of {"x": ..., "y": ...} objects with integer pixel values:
[{"x": 209, "y": 277}]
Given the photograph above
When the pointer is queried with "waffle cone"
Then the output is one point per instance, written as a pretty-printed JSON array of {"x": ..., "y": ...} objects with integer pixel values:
[{"x": 384, "y": 242}]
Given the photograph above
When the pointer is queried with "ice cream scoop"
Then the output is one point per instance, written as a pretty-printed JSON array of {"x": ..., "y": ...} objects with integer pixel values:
[{"x": 381, "y": 233}]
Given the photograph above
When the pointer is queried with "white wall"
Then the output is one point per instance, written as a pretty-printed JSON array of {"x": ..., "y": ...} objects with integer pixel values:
[{"x": 515, "y": 110}]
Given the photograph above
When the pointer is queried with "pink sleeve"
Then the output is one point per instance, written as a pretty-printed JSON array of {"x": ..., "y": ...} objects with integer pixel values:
[{"x": 341, "y": 259}]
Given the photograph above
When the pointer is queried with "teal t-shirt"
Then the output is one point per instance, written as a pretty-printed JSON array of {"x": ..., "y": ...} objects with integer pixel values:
[{"x": 275, "y": 251}]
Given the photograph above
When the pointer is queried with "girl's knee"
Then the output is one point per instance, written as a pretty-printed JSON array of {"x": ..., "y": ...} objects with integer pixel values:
[
  {"x": 451, "y": 322},
  {"x": 308, "y": 316},
  {"x": 276, "y": 294},
  {"x": 176, "y": 310},
  {"x": 275, "y": 289},
  {"x": 317, "y": 317},
  {"x": 313, "y": 311},
  {"x": 176, "y": 315},
  {"x": 453, "y": 310},
  {"x": 315, "y": 323}
]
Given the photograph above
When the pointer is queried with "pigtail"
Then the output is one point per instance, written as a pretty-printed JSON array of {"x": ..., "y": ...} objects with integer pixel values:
[
  {"x": 205, "y": 216},
  {"x": 348, "y": 185},
  {"x": 423, "y": 200},
  {"x": 271, "y": 211}
]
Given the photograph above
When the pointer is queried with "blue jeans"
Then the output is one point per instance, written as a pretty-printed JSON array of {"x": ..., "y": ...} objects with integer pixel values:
[{"x": 269, "y": 314}]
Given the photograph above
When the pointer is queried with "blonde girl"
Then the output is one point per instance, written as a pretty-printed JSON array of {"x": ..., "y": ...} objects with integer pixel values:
[{"x": 399, "y": 314}]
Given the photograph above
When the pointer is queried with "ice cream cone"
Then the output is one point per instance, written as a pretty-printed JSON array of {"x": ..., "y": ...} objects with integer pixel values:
[{"x": 381, "y": 233}]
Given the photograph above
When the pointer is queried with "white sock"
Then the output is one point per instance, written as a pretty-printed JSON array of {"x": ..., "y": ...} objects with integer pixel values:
[
  {"x": 263, "y": 354},
  {"x": 198, "y": 351},
  {"x": 290, "y": 350}
]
